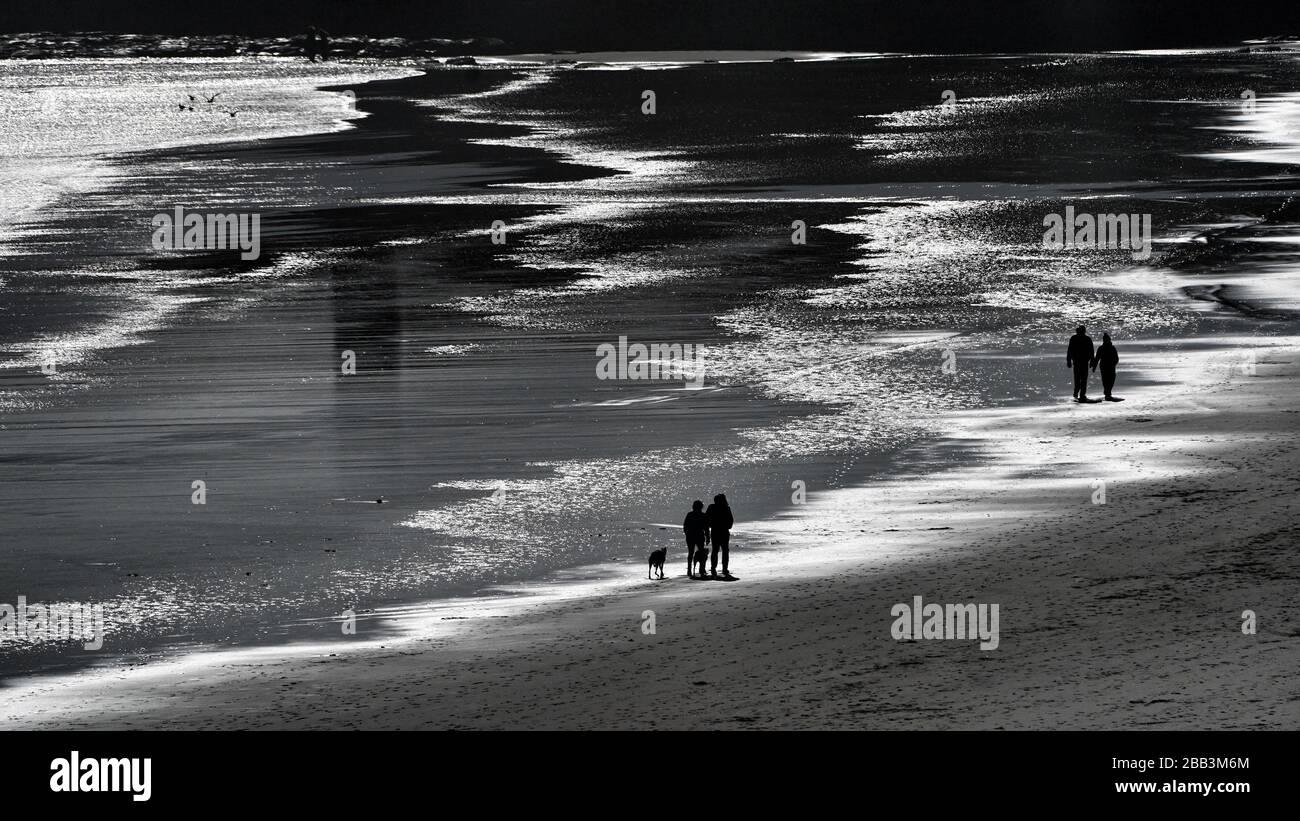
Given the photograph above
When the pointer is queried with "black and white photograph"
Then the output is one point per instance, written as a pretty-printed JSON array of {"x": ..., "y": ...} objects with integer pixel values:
[{"x": 650, "y": 365}]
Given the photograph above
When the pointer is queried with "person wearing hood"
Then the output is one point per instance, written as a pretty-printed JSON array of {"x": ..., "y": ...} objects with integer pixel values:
[
  {"x": 1107, "y": 357},
  {"x": 720, "y": 522}
]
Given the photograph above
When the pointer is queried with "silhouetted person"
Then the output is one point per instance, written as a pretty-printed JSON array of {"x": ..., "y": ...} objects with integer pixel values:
[
  {"x": 323, "y": 44},
  {"x": 1078, "y": 356},
  {"x": 720, "y": 522},
  {"x": 696, "y": 528},
  {"x": 312, "y": 45},
  {"x": 1107, "y": 357}
]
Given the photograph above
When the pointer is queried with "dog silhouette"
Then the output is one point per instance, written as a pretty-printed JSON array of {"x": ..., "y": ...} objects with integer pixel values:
[{"x": 657, "y": 559}]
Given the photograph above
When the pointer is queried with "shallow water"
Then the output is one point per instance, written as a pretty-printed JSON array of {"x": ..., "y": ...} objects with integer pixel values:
[
  {"x": 61, "y": 118},
  {"x": 476, "y": 413}
]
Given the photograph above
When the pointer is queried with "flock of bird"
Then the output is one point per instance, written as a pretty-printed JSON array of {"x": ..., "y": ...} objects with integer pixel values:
[{"x": 208, "y": 101}]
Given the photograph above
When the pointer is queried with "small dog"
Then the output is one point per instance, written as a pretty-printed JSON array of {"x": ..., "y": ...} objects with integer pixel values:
[{"x": 657, "y": 560}]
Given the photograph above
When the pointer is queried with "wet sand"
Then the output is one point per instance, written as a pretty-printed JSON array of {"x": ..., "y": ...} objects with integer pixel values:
[
  {"x": 1118, "y": 615},
  {"x": 247, "y": 395},
  {"x": 241, "y": 388}
]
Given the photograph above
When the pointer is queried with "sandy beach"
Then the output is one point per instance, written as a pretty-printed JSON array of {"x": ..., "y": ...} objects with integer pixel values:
[
  {"x": 483, "y": 500},
  {"x": 1122, "y": 615}
]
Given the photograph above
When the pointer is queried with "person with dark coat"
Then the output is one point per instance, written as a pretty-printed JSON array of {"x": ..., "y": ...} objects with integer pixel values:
[
  {"x": 696, "y": 528},
  {"x": 720, "y": 523},
  {"x": 1107, "y": 357},
  {"x": 317, "y": 44},
  {"x": 311, "y": 45},
  {"x": 1078, "y": 356}
]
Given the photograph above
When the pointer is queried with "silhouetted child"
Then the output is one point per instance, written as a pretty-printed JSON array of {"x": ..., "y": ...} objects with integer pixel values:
[{"x": 696, "y": 528}]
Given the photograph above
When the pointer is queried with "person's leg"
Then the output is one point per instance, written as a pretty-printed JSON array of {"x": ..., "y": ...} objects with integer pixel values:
[
  {"x": 1107, "y": 381},
  {"x": 726, "y": 549},
  {"x": 713, "y": 555},
  {"x": 1081, "y": 380}
]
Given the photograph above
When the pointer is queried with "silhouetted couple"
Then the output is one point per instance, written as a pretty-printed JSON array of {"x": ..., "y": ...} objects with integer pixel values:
[
  {"x": 317, "y": 44},
  {"x": 1081, "y": 356},
  {"x": 705, "y": 526}
]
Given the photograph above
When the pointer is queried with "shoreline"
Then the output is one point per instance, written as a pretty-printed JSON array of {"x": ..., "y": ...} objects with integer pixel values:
[
  {"x": 955, "y": 527},
  {"x": 592, "y": 577},
  {"x": 365, "y": 225}
]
